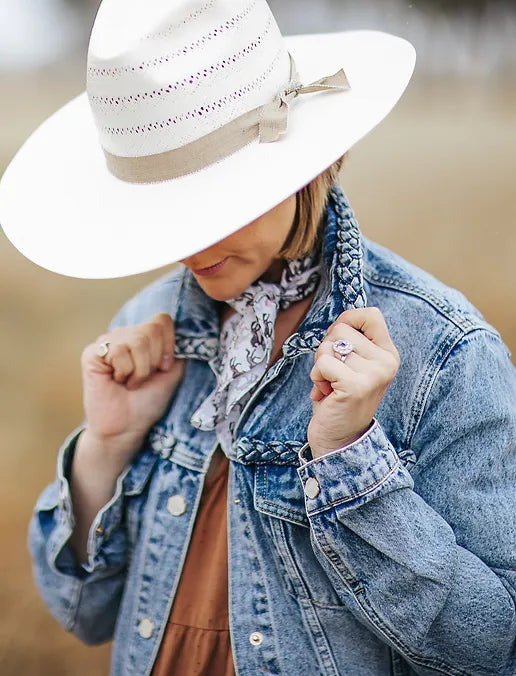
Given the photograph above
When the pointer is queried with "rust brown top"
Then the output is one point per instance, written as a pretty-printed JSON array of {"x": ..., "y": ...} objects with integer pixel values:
[{"x": 196, "y": 641}]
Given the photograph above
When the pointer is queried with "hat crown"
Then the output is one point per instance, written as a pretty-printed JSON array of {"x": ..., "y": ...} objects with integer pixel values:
[{"x": 162, "y": 75}]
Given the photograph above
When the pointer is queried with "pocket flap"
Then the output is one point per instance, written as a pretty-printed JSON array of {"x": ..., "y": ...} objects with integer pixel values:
[{"x": 278, "y": 492}]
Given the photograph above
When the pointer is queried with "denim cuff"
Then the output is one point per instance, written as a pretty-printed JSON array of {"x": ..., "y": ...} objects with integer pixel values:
[
  {"x": 105, "y": 523},
  {"x": 352, "y": 475}
]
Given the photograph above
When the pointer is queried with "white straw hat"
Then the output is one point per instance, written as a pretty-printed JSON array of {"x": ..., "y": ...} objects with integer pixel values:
[{"x": 181, "y": 138}]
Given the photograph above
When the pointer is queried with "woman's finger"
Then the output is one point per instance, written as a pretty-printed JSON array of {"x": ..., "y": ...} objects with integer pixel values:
[
  {"x": 323, "y": 386},
  {"x": 371, "y": 323},
  {"x": 91, "y": 361},
  {"x": 154, "y": 333},
  {"x": 120, "y": 359},
  {"x": 362, "y": 346},
  {"x": 168, "y": 339},
  {"x": 354, "y": 359},
  {"x": 332, "y": 371},
  {"x": 139, "y": 348}
]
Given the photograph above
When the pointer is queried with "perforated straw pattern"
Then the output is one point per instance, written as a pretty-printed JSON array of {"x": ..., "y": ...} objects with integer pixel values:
[
  {"x": 194, "y": 14},
  {"x": 165, "y": 58},
  {"x": 189, "y": 79},
  {"x": 209, "y": 108},
  {"x": 193, "y": 73}
]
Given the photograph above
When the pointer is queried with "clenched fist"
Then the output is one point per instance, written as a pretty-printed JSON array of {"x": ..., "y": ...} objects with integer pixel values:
[
  {"x": 347, "y": 393},
  {"x": 129, "y": 389}
]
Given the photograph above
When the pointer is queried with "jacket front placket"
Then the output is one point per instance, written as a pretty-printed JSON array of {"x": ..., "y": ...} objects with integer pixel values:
[{"x": 252, "y": 618}]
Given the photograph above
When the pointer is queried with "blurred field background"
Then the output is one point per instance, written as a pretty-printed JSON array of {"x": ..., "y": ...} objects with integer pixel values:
[{"x": 435, "y": 182}]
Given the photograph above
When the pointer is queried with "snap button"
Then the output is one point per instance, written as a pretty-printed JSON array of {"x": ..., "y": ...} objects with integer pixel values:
[
  {"x": 99, "y": 530},
  {"x": 176, "y": 505},
  {"x": 312, "y": 488},
  {"x": 236, "y": 501},
  {"x": 256, "y": 638},
  {"x": 146, "y": 628}
]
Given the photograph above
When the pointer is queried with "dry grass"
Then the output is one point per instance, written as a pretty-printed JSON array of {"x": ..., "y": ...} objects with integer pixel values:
[{"x": 434, "y": 182}]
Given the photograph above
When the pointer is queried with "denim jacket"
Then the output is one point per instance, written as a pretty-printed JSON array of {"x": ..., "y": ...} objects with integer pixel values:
[{"x": 402, "y": 561}]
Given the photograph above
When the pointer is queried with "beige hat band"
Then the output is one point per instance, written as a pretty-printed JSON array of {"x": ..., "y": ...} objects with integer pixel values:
[
  {"x": 189, "y": 158},
  {"x": 266, "y": 123}
]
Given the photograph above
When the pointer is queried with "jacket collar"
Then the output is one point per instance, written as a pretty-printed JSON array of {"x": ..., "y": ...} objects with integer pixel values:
[{"x": 341, "y": 288}]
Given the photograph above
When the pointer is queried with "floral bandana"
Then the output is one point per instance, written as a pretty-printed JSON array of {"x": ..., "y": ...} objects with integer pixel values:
[{"x": 246, "y": 343}]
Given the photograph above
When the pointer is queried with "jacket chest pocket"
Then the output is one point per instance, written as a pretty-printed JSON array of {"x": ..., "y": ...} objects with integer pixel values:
[{"x": 279, "y": 497}]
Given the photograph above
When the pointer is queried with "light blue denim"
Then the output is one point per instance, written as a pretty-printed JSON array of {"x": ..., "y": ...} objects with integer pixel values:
[{"x": 403, "y": 563}]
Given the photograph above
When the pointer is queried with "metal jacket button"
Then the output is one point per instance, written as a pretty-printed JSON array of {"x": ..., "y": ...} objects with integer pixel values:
[
  {"x": 312, "y": 488},
  {"x": 256, "y": 638},
  {"x": 176, "y": 505},
  {"x": 146, "y": 628}
]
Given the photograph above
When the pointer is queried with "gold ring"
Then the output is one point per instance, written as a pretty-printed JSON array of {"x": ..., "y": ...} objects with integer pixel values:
[{"x": 103, "y": 349}]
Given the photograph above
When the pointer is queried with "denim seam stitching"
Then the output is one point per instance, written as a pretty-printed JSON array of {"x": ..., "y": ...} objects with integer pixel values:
[
  {"x": 76, "y": 596},
  {"x": 281, "y": 508},
  {"x": 187, "y": 453},
  {"x": 466, "y": 324},
  {"x": 262, "y": 469},
  {"x": 306, "y": 601},
  {"x": 320, "y": 604},
  {"x": 432, "y": 369},
  {"x": 139, "y": 574},
  {"x": 299, "y": 580}
]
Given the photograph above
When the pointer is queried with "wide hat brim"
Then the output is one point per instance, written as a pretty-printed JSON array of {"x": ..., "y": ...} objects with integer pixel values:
[{"x": 63, "y": 209}]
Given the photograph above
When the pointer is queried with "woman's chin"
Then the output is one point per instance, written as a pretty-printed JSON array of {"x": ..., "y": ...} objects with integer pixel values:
[{"x": 220, "y": 290}]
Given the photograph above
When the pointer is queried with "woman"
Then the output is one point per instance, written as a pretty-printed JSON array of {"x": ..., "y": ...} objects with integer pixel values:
[{"x": 348, "y": 416}]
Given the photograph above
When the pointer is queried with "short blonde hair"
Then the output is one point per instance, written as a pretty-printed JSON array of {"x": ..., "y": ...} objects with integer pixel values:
[{"x": 311, "y": 207}]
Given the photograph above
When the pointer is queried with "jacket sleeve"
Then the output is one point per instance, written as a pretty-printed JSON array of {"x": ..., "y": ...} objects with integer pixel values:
[
  {"x": 426, "y": 560},
  {"x": 86, "y": 598},
  {"x": 83, "y": 598}
]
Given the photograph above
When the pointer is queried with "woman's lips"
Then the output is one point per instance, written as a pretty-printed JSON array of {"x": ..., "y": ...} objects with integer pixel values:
[{"x": 212, "y": 270}]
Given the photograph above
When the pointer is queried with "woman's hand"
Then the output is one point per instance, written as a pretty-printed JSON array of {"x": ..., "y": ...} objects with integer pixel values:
[
  {"x": 347, "y": 394},
  {"x": 129, "y": 389}
]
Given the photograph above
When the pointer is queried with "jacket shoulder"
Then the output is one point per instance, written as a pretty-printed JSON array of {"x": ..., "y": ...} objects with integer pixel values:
[
  {"x": 160, "y": 296},
  {"x": 441, "y": 338},
  {"x": 391, "y": 280}
]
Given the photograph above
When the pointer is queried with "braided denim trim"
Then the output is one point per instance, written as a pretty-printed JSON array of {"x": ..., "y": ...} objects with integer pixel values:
[
  {"x": 300, "y": 343},
  {"x": 204, "y": 349},
  {"x": 256, "y": 452},
  {"x": 350, "y": 263}
]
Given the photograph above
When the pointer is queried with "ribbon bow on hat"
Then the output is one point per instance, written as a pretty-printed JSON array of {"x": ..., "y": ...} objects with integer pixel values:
[{"x": 274, "y": 119}]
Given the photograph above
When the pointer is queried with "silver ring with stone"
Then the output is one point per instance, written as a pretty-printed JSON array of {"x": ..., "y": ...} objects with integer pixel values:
[
  {"x": 103, "y": 349},
  {"x": 342, "y": 348}
]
